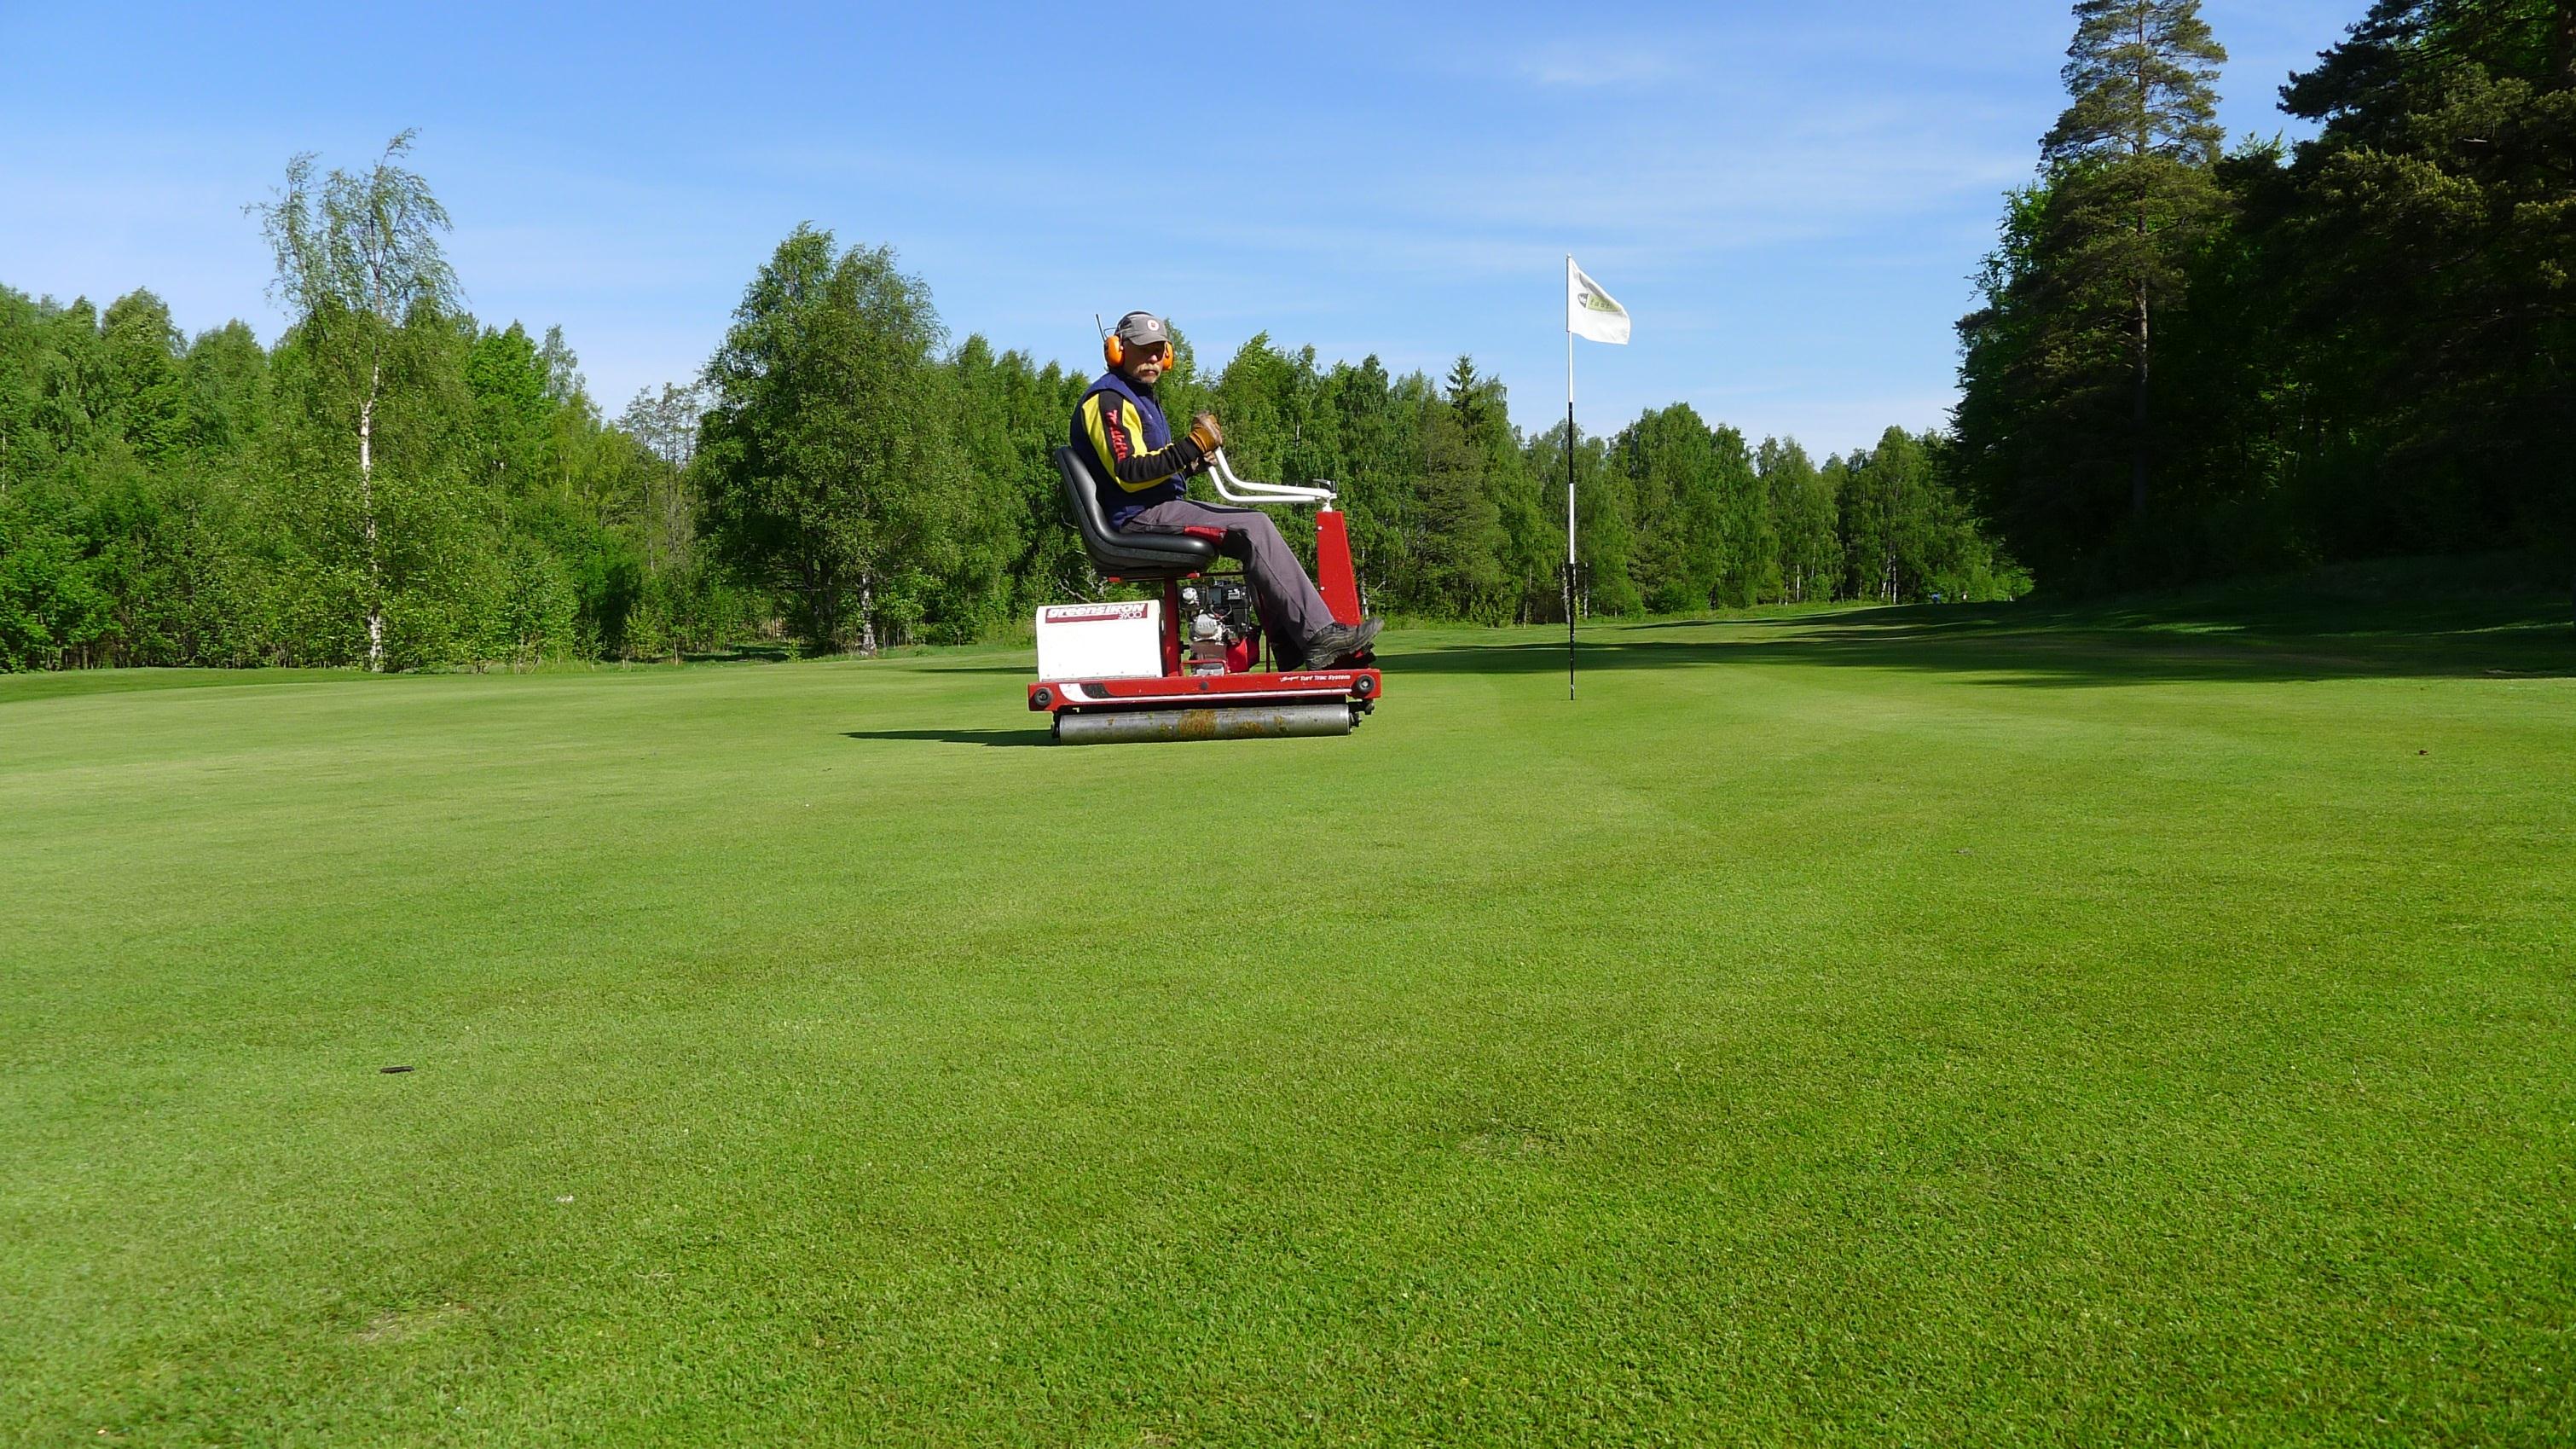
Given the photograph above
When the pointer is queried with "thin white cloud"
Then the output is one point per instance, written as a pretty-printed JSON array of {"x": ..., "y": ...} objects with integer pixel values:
[{"x": 1583, "y": 63}]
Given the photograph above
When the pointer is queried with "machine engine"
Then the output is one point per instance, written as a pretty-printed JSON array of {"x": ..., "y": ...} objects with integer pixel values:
[{"x": 1221, "y": 633}]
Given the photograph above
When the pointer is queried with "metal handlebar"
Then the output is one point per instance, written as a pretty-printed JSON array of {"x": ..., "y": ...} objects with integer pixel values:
[{"x": 1240, "y": 490}]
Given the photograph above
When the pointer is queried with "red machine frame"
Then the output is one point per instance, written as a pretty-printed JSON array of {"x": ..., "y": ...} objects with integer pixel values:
[{"x": 1177, "y": 688}]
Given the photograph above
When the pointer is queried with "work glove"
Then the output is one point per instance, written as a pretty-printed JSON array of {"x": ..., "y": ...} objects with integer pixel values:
[{"x": 1205, "y": 433}]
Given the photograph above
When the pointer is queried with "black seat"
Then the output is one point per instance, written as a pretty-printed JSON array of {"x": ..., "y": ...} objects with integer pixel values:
[{"x": 1142, "y": 557}]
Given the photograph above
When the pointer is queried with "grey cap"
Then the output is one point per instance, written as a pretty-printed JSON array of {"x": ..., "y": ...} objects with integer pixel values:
[{"x": 1143, "y": 329}]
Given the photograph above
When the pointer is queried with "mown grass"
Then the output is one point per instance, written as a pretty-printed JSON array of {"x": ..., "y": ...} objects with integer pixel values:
[{"x": 2139, "y": 1023}]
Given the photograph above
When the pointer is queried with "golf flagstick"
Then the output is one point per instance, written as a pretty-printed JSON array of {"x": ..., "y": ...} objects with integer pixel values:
[{"x": 1591, "y": 312}]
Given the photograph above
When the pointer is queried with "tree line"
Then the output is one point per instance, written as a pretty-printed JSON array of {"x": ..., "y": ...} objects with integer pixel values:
[
  {"x": 395, "y": 484},
  {"x": 880, "y": 489},
  {"x": 2187, "y": 360},
  {"x": 2194, "y": 360}
]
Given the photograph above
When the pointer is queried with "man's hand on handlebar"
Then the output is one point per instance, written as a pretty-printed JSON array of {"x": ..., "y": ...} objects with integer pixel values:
[{"x": 1205, "y": 433}]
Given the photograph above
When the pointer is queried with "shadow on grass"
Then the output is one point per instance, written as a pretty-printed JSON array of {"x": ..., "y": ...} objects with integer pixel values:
[
  {"x": 2254, "y": 640},
  {"x": 59, "y": 684},
  {"x": 990, "y": 739},
  {"x": 750, "y": 651}
]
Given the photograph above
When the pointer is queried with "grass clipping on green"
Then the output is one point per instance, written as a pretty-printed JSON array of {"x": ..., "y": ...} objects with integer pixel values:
[{"x": 1929, "y": 1025}]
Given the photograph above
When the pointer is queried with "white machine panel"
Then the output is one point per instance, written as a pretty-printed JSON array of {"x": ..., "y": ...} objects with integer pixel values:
[{"x": 1101, "y": 641}]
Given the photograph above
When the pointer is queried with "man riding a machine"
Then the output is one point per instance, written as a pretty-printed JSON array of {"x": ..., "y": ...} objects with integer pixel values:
[{"x": 1186, "y": 668}]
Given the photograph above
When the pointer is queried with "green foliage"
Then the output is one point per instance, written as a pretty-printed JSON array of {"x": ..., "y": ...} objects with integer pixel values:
[
  {"x": 360, "y": 269},
  {"x": 1007, "y": 420},
  {"x": 1455, "y": 565},
  {"x": 1373, "y": 466},
  {"x": 162, "y": 504},
  {"x": 1906, "y": 534},
  {"x": 2060, "y": 429},
  {"x": 514, "y": 413},
  {"x": 2362, "y": 342},
  {"x": 1670, "y": 463},
  {"x": 829, "y": 463},
  {"x": 398, "y": 485},
  {"x": 2141, "y": 75},
  {"x": 1803, "y": 514},
  {"x": 50, "y": 603},
  {"x": 2423, "y": 252},
  {"x": 1604, "y": 524}
]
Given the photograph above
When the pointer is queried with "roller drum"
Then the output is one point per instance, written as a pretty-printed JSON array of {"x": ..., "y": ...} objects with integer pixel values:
[{"x": 1243, "y": 722}]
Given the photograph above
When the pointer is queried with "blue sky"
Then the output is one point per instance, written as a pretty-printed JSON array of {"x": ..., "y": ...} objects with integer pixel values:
[{"x": 1789, "y": 198}]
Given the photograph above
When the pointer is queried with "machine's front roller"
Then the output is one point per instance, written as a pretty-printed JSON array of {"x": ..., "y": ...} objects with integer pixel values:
[
  {"x": 1244, "y": 722},
  {"x": 1303, "y": 703}
]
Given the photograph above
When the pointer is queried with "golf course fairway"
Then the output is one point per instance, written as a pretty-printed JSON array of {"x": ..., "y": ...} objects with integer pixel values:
[{"x": 1970, "y": 1025}]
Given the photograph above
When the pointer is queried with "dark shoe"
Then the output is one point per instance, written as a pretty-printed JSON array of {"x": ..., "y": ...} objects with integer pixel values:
[
  {"x": 1368, "y": 628},
  {"x": 1334, "y": 644}
]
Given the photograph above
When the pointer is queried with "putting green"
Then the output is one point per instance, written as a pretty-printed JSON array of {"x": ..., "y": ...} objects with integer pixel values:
[{"x": 1967, "y": 1025}]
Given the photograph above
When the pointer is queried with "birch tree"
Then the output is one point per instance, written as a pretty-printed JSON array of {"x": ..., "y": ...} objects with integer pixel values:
[
  {"x": 666, "y": 424},
  {"x": 356, "y": 256},
  {"x": 1802, "y": 517}
]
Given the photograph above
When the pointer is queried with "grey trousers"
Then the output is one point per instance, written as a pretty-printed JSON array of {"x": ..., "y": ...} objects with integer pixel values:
[{"x": 1291, "y": 610}]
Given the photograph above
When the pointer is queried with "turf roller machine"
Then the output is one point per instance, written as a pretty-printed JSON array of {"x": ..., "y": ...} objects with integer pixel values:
[{"x": 1190, "y": 665}]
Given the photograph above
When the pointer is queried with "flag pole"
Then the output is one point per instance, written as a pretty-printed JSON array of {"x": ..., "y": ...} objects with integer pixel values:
[{"x": 1569, "y": 487}]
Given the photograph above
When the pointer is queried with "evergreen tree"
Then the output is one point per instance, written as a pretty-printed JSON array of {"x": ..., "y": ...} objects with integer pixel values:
[
  {"x": 2133, "y": 155},
  {"x": 1468, "y": 448},
  {"x": 1455, "y": 572},
  {"x": 2361, "y": 351},
  {"x": 2057, "y": 426},
  {"x": 2421, "y": 241}
]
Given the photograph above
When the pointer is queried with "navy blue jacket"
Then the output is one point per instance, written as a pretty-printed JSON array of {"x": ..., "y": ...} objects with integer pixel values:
[{"x": 1119, "y": 429}]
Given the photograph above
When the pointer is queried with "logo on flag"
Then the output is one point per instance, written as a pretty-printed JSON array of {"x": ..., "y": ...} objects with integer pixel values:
[{"x": 1590, "y": 311}]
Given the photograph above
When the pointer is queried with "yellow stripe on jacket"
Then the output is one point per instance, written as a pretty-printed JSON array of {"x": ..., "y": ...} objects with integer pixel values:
[{"x": 1131, "y": 425}]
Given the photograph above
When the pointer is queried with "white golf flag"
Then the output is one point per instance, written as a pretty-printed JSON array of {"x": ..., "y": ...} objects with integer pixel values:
[{"x": 1589, "y": 311}]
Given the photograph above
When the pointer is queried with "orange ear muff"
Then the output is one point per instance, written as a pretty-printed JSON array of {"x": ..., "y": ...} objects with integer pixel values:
[{"x": 1110, "y": 348}]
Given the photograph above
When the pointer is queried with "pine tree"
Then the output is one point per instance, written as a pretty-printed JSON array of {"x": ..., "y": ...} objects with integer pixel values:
[
  {"x": 2133, "y": 156},
  {"x": 1455, "y": 566},
  {"x": 2425, "y": 267}
]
